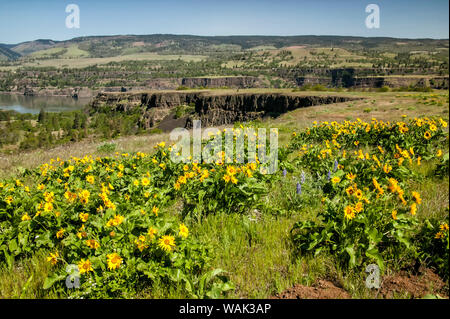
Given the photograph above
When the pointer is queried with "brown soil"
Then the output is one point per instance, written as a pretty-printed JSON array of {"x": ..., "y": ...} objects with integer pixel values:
[
  {"x": 399, "y": 285},
  {"x": 323, "y": 289},
  {"x": 296, "y": 47},
  {"x": 416, "y": 286},
  {"x": 170, "y": 122}
]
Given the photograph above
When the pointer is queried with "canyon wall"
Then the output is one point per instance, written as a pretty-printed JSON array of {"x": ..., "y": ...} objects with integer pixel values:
[
  {"x": 438, "y": 82},
  {"x": 229, "y": 81},
  {"x": 212, "y": 108}
]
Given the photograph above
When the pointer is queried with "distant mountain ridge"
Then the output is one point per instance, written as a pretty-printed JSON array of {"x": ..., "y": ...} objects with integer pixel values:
[
  {"x": 104, "y": 46},
  {"x": 7, "y": 54}
]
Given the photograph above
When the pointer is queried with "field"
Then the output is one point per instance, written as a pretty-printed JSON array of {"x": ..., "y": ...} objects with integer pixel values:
[
  {"x": 359, "y": 183},
  {"x": 75, "y": 58}
]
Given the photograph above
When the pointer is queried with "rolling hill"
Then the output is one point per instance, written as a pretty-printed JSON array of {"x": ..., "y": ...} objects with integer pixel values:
[
  {"x": 7, "y": 54},
  {"x": 107, "y": 46}
]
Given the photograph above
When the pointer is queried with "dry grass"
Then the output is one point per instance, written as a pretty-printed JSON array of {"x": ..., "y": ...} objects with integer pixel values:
[
  {"x": 82, "y": 62},
  {"x": 10, "y": 165}
]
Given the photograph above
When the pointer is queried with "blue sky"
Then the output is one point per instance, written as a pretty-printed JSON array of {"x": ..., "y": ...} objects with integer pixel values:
[{"x": 22, "y": 20}]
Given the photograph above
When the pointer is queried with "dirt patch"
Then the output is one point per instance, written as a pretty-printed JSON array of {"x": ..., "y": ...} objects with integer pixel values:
[
  {"x": 323, "y": 289},
  {"x": 170, "y": 122},
  {"x": 296, "y": 47},
  {"x": 416, "y": 286},
  {"x": 399, "y": 285}
]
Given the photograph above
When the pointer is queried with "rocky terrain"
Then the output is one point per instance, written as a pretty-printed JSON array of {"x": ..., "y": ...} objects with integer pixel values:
[
  {"x": 438, "y": 82},
  {"x": 231, "y": 82},
  {"x": 26, "y": 84},
  {"x": 212, "y": 108}
]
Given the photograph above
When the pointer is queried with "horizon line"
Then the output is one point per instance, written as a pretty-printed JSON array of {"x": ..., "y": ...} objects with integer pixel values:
[{"x": 230, "y": 35}]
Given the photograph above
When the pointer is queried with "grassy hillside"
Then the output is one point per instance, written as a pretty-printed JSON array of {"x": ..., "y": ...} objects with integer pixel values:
[
  {"x": 103, "y": 46},
  {"x": 7, "y": 54}
]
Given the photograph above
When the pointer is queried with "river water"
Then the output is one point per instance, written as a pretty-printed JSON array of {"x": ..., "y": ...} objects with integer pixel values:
[{"x": 33, "y": 104}]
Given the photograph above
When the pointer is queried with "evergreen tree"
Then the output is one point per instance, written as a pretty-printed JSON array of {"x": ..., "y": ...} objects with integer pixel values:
[
  {"x": 76, "y": 121},
  {"x": 42, "y": 116}
]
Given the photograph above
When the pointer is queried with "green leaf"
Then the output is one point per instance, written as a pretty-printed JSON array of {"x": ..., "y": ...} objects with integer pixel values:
[
  {"x": 50, "y": 280},
  {"x": 206, "y": 278},
  {"x": 25, "y": 287},
  {"x": 375, "y": 254},
  {"x": 351, "y": 252},
  {"x": 374, "y": 236},
  {"x": 13, "y": 246}
]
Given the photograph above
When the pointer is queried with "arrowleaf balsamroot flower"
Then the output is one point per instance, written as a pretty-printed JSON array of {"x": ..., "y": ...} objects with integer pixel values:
[
  {"x": 84, "y": 217},
  {"x": 114, "y": 261},
  {"x": 85, "y": 266},
  {"x": 92, "y": 243},
  {"x": 53, "y": 258},
  {"x": 166, "y": 243},
  {"x": 152, "y": 232},
  {"x": 417, "y": 197},
  {"x": 349, "y": 212},
  {"x": 60, "y": 233},
  {"x": 184, "y": 232},
  {"x": 335, "y": 180},
  {"x": 90, "y": 179}
]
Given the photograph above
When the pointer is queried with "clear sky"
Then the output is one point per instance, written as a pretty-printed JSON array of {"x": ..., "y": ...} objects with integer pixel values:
[{"x": 22, "y": 20}]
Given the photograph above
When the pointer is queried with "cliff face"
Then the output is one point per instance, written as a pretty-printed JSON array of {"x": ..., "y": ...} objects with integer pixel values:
[
  {"x": 348, "y": 78},
  {"x": 396, "y": 82},
  {"x": 438, "y": 82},
  {"x": 211, "y": 109},
  {"x": 231, "y": 82}
]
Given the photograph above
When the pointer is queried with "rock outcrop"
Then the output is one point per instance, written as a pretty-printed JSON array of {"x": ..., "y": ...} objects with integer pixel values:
[
  {"x": 350, "y": 81},
  {"x": 210, "y": 107},
  {"x": 241, "y": 82}
]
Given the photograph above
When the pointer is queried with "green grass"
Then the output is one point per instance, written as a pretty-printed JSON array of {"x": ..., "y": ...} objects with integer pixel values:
[
  {"x": 25, "y": 278},
  {"x": 76, "y": 58},
  {"x": 73, "y": 51}
]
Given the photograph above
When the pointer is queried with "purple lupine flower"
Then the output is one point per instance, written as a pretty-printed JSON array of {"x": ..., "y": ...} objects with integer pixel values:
[
  {"x": 335, "y": 165},
  {"x": 299, "y": 188},
  {"x": 329, "y": 175},
  {"x": 284, "y": 172},
  {"x": 302, "y": 177}
]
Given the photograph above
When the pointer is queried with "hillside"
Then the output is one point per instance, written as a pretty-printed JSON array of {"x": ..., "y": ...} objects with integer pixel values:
[
  {"x": 105, "y": 46},
  {"x": 160, "y": 61},
  {"x": 7, "y": 54}
]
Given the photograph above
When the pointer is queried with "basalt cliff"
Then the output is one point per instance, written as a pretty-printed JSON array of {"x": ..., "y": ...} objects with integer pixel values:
[{"x": 170, "y": 109}]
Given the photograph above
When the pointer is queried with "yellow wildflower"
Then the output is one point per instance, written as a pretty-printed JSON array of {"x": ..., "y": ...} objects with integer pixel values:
[
  {"x": 166, "y": 243},
  {"x": 84, "y": 266},
  {"x": 114, "y": 261},
  {"x": 184, "y": 232}
]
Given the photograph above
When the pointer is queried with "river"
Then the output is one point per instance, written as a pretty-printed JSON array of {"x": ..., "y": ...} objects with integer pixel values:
[{"x": 33, "y": 104}]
